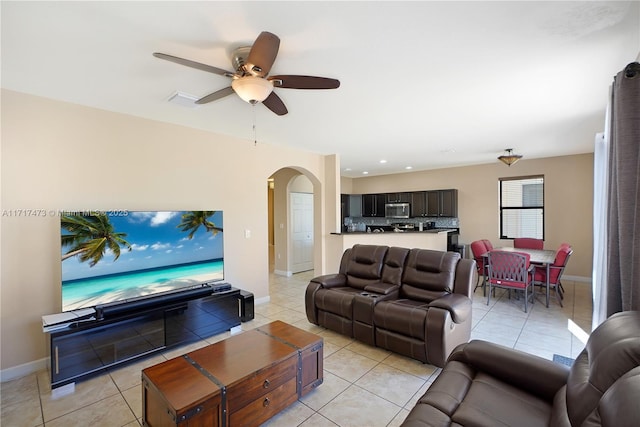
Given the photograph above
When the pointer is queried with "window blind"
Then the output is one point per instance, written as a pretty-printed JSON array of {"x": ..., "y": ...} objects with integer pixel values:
[{"x": 522, "y": 207}]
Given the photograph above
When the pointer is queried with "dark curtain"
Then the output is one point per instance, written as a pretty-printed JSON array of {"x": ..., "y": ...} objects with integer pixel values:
[{"x": 623, "y": 260}]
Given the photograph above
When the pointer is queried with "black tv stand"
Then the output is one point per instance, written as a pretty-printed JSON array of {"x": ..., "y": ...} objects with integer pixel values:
[
  {"x": 115, "y": 309},
  {"x": 119, "y": 333}
]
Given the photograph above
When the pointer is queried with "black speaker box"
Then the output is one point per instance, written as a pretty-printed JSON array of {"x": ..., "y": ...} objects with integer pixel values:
[{"x": 245, "y": 306}]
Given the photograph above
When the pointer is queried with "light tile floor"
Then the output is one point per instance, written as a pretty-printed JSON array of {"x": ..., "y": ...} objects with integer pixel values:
[{"x": 363, "y": 386}]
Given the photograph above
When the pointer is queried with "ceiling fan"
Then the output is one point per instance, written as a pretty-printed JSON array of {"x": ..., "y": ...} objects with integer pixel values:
[{"x": 251, "y": 80}]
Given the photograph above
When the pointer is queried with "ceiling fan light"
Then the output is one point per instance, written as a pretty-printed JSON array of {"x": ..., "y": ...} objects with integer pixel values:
[
  {"x": 252, "y": 89},
  {"x": 509, "y": 158}
]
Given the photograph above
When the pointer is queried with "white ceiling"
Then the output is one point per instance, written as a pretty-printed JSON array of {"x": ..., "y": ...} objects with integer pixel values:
[{"x": 423, "y": 84}]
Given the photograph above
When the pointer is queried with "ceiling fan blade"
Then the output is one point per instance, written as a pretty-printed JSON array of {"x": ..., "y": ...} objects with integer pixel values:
[
  {"x": 216, "y": 95},
  {"x": 193, "y": 64},
  {"x": 275, "y": 104},
  {"x": 304, "y": 82},
  {"x": 262, "y": 54}
]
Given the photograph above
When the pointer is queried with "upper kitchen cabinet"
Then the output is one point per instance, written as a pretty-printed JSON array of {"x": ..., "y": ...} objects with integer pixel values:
[
  {"x": 442, "y": 203},
  {"x": 419, "y": 204},
  {"x": 449, "y": 203},
  {"x": 399, "y": 197},
  {"x": 373, "y": 205}
]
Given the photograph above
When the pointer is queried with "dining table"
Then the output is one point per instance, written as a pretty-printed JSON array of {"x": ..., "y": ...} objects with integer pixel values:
[{"x": 540, "y": 257}]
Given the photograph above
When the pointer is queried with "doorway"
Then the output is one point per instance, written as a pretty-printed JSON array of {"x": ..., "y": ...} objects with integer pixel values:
[{"x": 291, "y": 222}]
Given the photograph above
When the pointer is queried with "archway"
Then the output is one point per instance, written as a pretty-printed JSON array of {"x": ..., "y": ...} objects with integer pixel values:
[{"x": 280, "y": 186}]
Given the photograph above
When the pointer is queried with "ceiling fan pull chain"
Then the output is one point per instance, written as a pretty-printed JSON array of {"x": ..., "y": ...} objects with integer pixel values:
[{"x": 255, "y": 138}]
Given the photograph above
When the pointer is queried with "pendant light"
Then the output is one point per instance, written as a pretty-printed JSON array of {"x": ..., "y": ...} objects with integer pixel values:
[{"x": 509, "y": 158}]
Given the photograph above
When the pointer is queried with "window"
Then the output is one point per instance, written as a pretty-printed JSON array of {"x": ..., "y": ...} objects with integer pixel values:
[{"x": 522, "y": 207}]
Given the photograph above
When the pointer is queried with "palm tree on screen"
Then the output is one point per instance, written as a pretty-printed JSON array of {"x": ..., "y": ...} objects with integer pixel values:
[
  {"x": 90, "y": 236},
  {"x": 191, "y": 221}
]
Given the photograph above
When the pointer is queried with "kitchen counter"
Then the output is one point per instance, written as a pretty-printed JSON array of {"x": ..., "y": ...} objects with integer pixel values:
[
  {"x": 435, "y": 239},
  {"x": 432, "y": 231}
]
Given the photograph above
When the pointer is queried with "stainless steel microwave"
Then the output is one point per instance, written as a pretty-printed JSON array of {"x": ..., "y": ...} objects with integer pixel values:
[{"x": 397, "y": 210}]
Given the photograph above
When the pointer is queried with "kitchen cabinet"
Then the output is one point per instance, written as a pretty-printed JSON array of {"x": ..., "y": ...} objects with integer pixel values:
[
  {"x": 449, "y": 203},
  {"x": 442, "y": 203},
  {"x": 433, "y": 203},
  {"x": 398, "y": 197},
  {"x": 418, "y": 204},
  {"x": 373, "y": 205}
]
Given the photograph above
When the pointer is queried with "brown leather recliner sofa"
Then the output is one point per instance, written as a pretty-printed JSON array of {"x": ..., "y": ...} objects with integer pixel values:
[
  {"x": 415, "y": 302},
  {"x": 484, "y": 384}
]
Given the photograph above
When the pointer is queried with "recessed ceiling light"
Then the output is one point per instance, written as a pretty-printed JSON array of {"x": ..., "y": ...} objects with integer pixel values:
[
  {"x": 408, "y": 167},
  {"x": 365, "y": 173},
  {"x": 347, "y": 169},
  {"x": 383, "y": 161}
]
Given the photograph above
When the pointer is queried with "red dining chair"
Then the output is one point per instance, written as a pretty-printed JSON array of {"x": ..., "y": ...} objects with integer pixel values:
[
  {"x": 528, "y": 243},
  {"x": 478, "y": 249},
  {"x": 487, "y": 244},
  {"x": 555, "y": 273},
  {"x": 512, "y": 271}
]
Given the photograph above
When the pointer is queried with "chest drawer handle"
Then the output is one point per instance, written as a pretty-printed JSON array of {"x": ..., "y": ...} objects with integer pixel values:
[
  {"x": 266, "y": 384},
  {"x": 266, "y": 402}
]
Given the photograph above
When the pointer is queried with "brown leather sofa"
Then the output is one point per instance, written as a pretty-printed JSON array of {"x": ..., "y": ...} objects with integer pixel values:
[
  {"x": 415, "y": 302},
  {"x": 484, "y": 384}
]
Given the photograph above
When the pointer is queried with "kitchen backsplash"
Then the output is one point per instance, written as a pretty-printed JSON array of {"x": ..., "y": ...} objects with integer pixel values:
[{"x": 439, "y": 222}]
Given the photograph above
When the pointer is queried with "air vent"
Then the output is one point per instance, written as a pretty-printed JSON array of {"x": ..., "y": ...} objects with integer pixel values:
[{"x": 184, "y": 99}]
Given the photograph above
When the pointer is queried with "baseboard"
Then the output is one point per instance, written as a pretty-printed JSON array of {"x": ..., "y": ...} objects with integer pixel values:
[
  {"x": 577, "y": 278},
  {"x": 283, "y": 273},
  {"x": 20, "y": 371},
  {"x": 262, "y": 300}
]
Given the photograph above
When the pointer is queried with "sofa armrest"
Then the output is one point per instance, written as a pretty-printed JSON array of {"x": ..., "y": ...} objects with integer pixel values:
[
  {"x": 330, "y": 280},
  {"x": 466, "y": 277},
  {"x": 382, "y": 288},
  {"x": 525, "y": 371},
  {"x": 458, "y": 305}
]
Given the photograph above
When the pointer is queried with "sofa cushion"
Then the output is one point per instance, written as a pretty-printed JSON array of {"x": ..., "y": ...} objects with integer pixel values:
[
  {"x": 428, "y": 274},
  {"x": 394, "y": 265},
  {"x": 463, "y": 396},
  {"x": 491, "y": 402},
  {"x": 364, "y": 265},
  {"x": 336, "y": 300},
  {"x": 619, "y": 405},
  {"x": 404, "y": 316}
]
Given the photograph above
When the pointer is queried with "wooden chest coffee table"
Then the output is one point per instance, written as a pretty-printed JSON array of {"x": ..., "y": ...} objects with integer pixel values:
[{"x": 241, "y": 381}]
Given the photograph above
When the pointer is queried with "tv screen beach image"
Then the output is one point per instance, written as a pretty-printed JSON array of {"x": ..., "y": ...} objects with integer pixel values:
[{"x": 119, "y": 255}]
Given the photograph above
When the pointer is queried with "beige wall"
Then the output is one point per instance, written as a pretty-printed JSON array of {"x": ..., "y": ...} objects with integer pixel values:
[
  {"x": 58, "y": 156},
  {"x": 568, "y": 200}
]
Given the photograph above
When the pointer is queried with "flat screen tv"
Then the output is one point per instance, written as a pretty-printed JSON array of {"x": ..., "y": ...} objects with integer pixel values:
[{"x": 119, "y": 255}]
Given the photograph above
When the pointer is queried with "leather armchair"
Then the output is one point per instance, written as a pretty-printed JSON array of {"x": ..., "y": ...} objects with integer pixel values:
[{"x": 485, "y": 384}]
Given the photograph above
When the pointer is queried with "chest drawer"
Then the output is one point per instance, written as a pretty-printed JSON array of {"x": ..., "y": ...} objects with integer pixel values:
[
  {"x": 261, "y": 382},
  {"x": 175, "y": 394},
  {"x": 266, "y": 406}
]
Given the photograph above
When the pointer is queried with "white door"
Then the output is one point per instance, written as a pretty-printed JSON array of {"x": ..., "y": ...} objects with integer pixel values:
[{"x": 301, "y": 232}]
